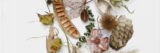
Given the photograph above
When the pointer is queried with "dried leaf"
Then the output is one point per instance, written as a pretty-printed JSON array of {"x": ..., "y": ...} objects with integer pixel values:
[
  {"x": 56, "y": 44},
  {"x": 46, "y": 19}
]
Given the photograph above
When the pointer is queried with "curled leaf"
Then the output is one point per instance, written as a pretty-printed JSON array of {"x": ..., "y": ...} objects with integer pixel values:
[
  {"x": 46, "y": 19},
  {"x": 56, "y": 44},
  {"x": 82, "y": 39},
  {"x": 79, "y": 44}
]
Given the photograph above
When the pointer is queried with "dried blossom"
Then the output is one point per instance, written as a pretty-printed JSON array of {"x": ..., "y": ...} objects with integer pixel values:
[{"x": 108, "y": 22}]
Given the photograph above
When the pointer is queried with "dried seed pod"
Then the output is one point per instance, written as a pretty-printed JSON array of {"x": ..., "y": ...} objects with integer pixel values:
[
  {"x": 108, "y": 21},
  {"x": 121, "y": 33},
  {"x": 62, "y": 17},
  {"x": 84, "y": 16}
]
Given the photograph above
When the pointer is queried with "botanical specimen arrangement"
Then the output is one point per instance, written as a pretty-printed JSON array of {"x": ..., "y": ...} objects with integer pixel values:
[{"x": 94, "y": 39}]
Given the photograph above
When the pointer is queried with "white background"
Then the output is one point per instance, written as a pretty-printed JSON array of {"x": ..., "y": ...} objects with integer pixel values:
[{"x": 18, "y": 22}]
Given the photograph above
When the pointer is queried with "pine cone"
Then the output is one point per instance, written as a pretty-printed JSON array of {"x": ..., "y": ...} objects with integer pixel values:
[{"x": 121, "y": 33}]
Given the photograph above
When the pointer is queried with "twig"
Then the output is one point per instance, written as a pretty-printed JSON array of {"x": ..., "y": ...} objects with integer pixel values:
[
  {"x": 47, "y": 6},
  {"x": 131, "y": 12},
  {"x": 65, "y": 36},
  {"x": 35, "y": 37},
  {"x": 88, "y": 2}
]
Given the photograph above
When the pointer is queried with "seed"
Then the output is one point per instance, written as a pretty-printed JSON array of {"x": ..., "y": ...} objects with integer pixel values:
[{"x": 84, "y": 16}]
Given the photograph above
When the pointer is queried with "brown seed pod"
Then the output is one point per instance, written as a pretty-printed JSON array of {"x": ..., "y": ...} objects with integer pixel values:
[
  {"x": 63, "y": 19},
  {"x": 84, "y": 16},
  {"x": 108, "y": 22}
]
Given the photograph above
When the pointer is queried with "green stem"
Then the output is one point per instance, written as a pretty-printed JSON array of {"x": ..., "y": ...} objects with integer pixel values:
[
  {"x": 131, "y": 12},
  {"x": 62, "y": 29},
  {"x": 65, "y": 35}
]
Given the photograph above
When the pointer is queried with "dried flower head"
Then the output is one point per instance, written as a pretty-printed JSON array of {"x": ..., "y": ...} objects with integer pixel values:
[
  {"x": 108, "y": 21},
  {"x": 84, "y": 16}
]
